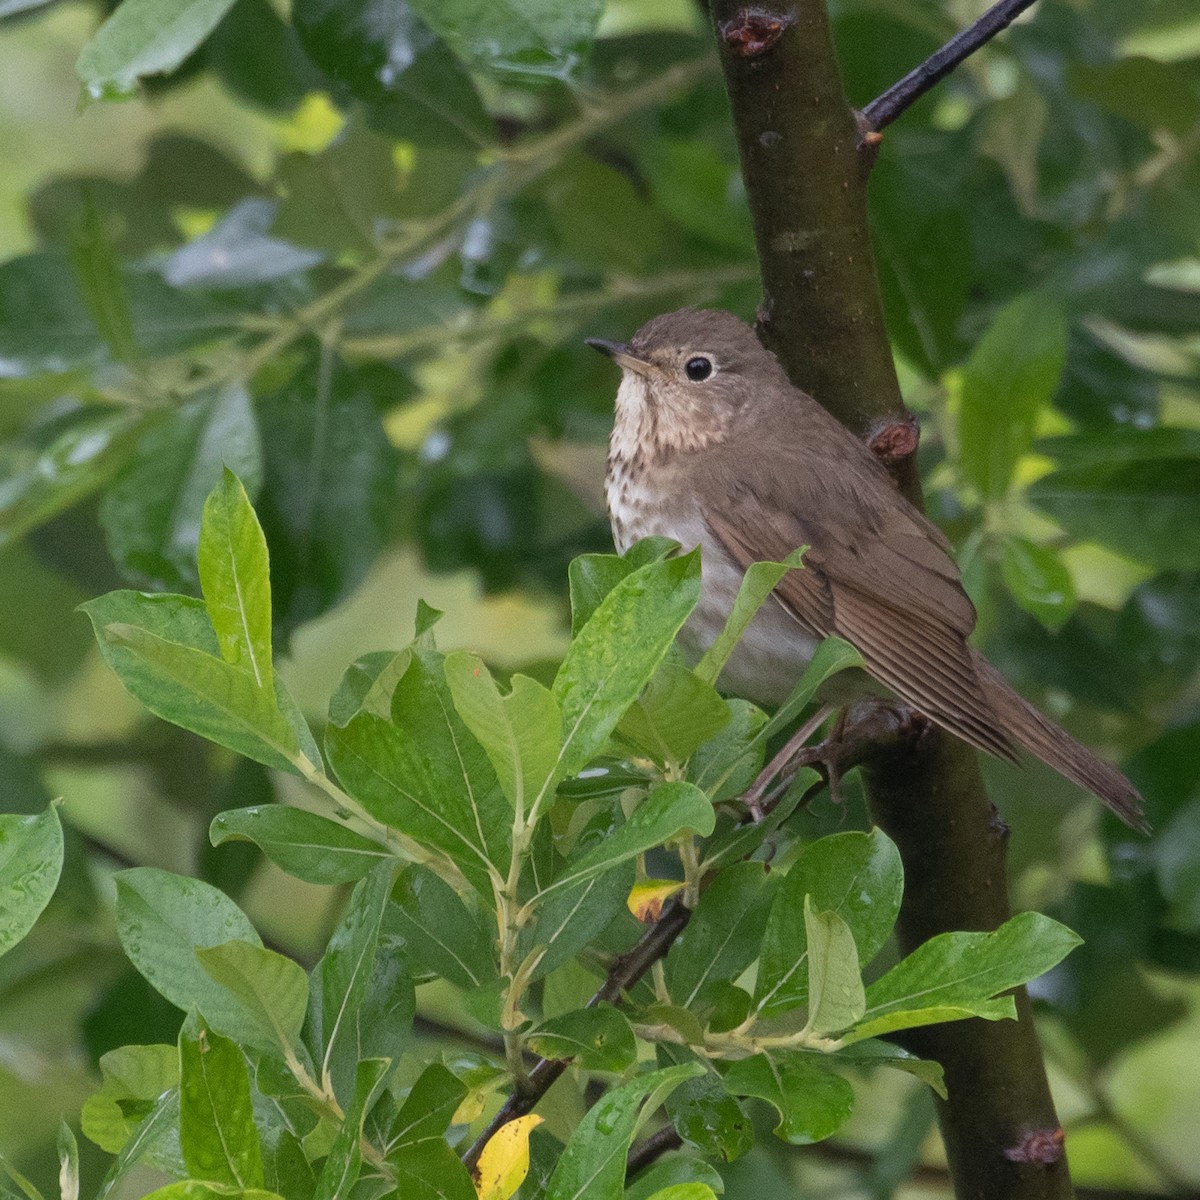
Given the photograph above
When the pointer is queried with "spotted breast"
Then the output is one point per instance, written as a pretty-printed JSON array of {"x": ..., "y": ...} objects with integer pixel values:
[{"x": 642, "y": 502}]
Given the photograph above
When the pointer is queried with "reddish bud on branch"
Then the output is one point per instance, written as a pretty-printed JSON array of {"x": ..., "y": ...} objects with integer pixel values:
[{"x": 753, "y": 31}]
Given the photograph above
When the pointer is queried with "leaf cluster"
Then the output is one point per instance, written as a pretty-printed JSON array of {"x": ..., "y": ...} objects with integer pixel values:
[{"x": 442, "y": 809}]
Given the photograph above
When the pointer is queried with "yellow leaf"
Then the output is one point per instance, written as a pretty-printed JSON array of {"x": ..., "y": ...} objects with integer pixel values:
[
  {"x": 646, "y": 899},
  {"x": 504, "y": 1162},
  {"x": 314, "y": 124}
]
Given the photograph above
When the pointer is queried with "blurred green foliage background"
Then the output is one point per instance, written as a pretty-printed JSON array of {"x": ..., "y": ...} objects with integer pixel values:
[{"x": 355, "y": 260}]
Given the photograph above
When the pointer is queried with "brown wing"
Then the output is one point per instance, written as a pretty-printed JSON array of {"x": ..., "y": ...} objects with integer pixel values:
[{"x": 876, "y": 573}]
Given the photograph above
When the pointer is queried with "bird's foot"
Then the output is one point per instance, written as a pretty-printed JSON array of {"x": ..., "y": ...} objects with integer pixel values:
[{"x": 777, "y": 776}]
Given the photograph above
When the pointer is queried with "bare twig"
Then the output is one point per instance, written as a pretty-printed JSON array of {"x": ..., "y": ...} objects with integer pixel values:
[
  {"x": 883, "y": 110},
  {"x": 661, "y": 1142}
]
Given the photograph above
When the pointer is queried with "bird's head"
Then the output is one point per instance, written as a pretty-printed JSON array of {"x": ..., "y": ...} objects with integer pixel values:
[{"x": 687, "y": 374}]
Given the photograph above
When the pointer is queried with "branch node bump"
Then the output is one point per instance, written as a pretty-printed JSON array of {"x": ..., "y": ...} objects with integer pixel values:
[
  {"x": 751, "y": 32},
  {"x": 1037, "y": 1146},
  {"x": 896, "y": 440}
]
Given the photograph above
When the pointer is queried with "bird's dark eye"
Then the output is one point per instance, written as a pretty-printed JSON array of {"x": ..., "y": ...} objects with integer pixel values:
[{"x": 697, "y": 369}]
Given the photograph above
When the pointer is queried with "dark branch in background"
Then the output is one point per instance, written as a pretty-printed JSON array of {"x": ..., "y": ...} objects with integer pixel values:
[
  {"x": 806, "y": 181},
  {"x": 885, "y": 109}
]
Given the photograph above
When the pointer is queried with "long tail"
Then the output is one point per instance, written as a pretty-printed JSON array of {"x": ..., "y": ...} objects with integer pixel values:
[{"x": 1058, "y": 749}]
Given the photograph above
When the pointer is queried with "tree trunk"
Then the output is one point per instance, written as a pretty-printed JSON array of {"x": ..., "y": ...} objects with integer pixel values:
[{"x": 805, "y": 159}]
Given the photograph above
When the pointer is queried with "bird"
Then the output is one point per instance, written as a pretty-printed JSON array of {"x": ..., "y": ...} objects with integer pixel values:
[{"x": 713, "y": 446}]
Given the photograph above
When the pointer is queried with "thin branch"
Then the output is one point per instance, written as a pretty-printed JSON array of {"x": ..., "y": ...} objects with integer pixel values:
[
  {"x": 654, "y": 944},
  {"x": 878, "y": 723},
  {"x": 885, "y": 109},
  {"x": 661, "y": 1142}
]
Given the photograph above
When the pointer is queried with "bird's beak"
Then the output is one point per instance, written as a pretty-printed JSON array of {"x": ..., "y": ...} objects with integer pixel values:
[{"x": 620, "y": 353}]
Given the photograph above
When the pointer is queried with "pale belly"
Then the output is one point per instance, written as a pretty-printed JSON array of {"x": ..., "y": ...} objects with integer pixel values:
[{"x": 773, "y": 652}]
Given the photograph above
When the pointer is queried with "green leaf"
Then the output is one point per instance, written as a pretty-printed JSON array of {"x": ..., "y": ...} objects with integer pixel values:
[
  {"x": 437, "y": 931},
  {"x": 31, "y": 859},
  {"x": 186, "y": 685},
  {"x": 238, "y": 252},
  {"x": 235, "y": 578},
  {"x": 616, "y": 652},
  {"x": 430, "y": 1170},
  {"x": 859, "y": 877},
  {"x": 271, "y": 988},
  {"x": 724, "y": 935},
  {"x": 216, "y": 1118},
  {"x": 287, "y": 1168},
  {"x": 592, "y": 1163},
  {"x": 68, "y": 1163},
  {"x": 757, "y": 584},
  {"x": 1120, "y": 443},
  {"x": 598, "y": 1039},
  {"x": 1010, "y": 377},
  {"x": 30, "y": 1191},
  {"x": 667, "y": 811},
  {"x": 303, "y": 844},
  {"x": 342, "y": 981},
  {"x": 538, "y": 37},
  {"x": 134, "y": 1077},
  {"x": 160, "y": 1126},
  {"x": 328, "y": 499},
  {"x": 592, "y": 576},
  {"x": 698, "y": 187},
  {"x": 521, "y": 732},
  {"x": 729, "y": 762},
  {"x": 574, "y": 916},
  {"x": 161, "y": 920},
  {"x": 706, "y": 1116},
  {"x": 1153, "y": 95},
  {"x": 1038, "y": 581},
  {"x": 98, "y": 274},
  {"x": 673, "y": 1170},
  {"x": 921, "y": 237},
  {"x": 144, "y": 37},
  {"x": 675, "y": 714},
  {"x": 389, "y": 60},
  {"x": 835, "y": 988},
  {"x": 1000, "y": 1008},
  {"x": 964, "y": 970},
  {"x": 41, "y": 484},
  {"x": 813, "y": 1103},
  {"x": 735, "y": 840},
  {"x": 830, "y": 657},
  {"x": 368, "y": 686},
  {"x": 884, "y": 1054},
  {"x": 345, "y": 1155},
  {"x": 44, "y": 323},
  {"x": 685, "y": 1191},
  {"x": 196, "y": 1189},
  {"x": 585, "y": 197},
  {"x": 151, "y": 513},
  {"x": 1148, "y": 509},
  {"x": 423, "y": 773},
  {"x": 428, "y": 1109}
]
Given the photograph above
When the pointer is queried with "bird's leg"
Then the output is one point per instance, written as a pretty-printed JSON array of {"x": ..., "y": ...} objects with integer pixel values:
[
  {"x": 795, "y": 754},
  {"x": 832, "y": 746}
]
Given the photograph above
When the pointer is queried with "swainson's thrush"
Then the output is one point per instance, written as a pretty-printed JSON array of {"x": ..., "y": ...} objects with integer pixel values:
[{"x": 713, "y": 446}]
